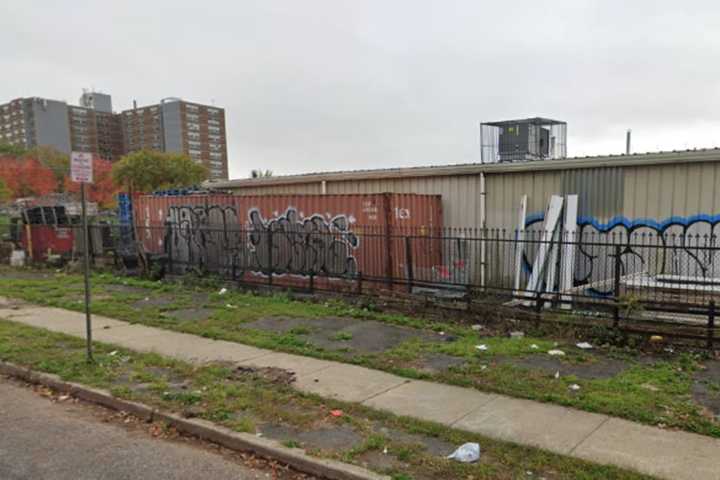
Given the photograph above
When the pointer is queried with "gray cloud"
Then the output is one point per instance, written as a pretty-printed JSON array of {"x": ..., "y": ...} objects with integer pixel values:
[{"x": 338, "y": 84}]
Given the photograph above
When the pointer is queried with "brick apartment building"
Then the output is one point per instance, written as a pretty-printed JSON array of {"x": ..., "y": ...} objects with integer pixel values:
[{"x": 173, "y": 125}]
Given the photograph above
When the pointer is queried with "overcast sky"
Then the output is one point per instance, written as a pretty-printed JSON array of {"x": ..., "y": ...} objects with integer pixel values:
[{"x": 336, "y": 84}]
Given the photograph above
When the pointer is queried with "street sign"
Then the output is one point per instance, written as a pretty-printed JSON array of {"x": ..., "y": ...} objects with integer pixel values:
[
  {"x": 81, "y": 171},
  {"x": 81, "y": 167}
]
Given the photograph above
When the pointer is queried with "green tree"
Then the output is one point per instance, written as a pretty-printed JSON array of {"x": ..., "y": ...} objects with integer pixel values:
[
  {"x": 147, "y": 170},
  {"x": 12, "y": 150},
  {"x": 5, "y": 192}
]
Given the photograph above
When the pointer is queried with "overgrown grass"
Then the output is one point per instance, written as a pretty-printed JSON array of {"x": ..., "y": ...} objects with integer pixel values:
[
  {"x": 213, "y": 392},
  {"x": 649, "y": 392}
]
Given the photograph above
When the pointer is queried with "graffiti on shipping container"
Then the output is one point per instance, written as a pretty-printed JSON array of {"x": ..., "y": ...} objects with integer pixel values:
[
  {"x": 214, "y": 238},
  {"x": 675, "y": 246}
]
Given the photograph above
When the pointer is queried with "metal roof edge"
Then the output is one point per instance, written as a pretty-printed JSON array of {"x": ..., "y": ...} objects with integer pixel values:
[{"x": 641, "y": 159}]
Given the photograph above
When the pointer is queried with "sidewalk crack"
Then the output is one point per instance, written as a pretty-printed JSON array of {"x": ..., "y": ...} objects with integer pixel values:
[{"x": 572, "y": 450}]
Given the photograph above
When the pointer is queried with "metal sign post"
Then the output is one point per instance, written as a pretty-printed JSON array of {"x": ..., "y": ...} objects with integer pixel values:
[{"x": 81, "y": 172}]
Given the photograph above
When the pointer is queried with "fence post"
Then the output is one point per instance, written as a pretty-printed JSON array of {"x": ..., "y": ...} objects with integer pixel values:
[
  {"x": 270, "y": 256},
  {"x": 169, "y": 246},
  {"x": 711, "y": 325},
  {"x": 538, "y": 302},
  {"x": 616, "y": 287},
  {"x": 409, "y": 262}
]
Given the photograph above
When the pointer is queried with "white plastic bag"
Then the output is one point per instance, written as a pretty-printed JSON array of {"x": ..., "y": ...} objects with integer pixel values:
[{"x": 467, "y": 453}]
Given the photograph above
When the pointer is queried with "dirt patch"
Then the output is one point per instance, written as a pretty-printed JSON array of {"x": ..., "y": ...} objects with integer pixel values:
[
  {"x": 333, "y": 439},
  {"x": 126, "y": 289},
  {"x": 598, "y": 369},
  {"x": 432, "y": 445},
  {"x": 345, "y": 334},
  {"x": 369, "y": 336},
  {"x": 381, "y": 462},
  {"x": 438, "y": 363},
  {"x": 154, "y": 301},
  {"x": 274, "y": 375},
  {"x": 706, "y": 388},
  {"x": 286, "y": 324},
  {"x": 191, "y": 314}
]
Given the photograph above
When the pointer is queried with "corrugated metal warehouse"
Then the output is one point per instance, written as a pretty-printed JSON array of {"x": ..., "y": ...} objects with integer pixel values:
[{"x": 657, "y": 190}]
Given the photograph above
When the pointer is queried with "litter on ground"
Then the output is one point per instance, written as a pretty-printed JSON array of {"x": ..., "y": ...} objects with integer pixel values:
[
  {"x": 482, "y": 347},
  {"x": 467, "y": 453},
  {"x": 584, "y": 345},
  {"x": 556, "y": 353}
]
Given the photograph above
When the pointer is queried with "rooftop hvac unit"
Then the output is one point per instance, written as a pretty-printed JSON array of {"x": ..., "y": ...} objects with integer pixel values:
[{"x": 529, "y": 139}]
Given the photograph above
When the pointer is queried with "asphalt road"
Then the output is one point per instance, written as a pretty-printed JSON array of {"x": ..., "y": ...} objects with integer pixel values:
[{"x": 43, "y": 440}]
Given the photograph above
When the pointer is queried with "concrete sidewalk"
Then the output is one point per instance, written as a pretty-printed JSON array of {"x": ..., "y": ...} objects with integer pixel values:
[{"x": 599, "y": 438}]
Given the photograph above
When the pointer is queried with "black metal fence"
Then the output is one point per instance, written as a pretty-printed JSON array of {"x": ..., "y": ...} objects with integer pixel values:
[{"x": 618, "y": 275}]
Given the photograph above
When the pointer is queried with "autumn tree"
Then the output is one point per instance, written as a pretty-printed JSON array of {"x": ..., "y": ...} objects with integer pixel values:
[
  {"x": 146, "y": 170},
  {"x": 55, "y": 160},
  {"x": 26, "y": 177},
  {"x": 102, "y": 190}
]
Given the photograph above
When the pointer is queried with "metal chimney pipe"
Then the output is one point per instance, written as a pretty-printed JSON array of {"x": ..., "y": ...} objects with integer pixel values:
[{"x": 627, "y": 141}]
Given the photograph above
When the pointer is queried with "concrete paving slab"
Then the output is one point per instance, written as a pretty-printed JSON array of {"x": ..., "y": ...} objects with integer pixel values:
[
  {"x": 430, "y": 401},
  {"x": 59, "y": 320},
  {"x": 662, "y": 453},
  {"x": 180, "y": 345},
  {"x": 349, "y": 383},
  {"x": 294, "y": 363},
  {"x": 550, "y": 427}
]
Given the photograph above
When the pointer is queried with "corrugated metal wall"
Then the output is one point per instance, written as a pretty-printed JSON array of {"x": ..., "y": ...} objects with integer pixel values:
[
  {"x": 655, "y": 192},
  {"x": 672, "y": 190}
]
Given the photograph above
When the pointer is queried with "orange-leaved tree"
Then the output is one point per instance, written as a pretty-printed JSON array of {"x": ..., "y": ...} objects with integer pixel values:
[
  {"x": 26, "y": 177},
  {"x": 103, "y": 190}
]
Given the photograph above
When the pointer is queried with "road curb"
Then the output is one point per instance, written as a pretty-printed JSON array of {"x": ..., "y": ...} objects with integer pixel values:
[{"x": 263, "y": 447}]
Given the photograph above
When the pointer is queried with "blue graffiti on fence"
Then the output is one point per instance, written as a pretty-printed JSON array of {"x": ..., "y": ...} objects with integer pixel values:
[{"x": 674, "y": 246}]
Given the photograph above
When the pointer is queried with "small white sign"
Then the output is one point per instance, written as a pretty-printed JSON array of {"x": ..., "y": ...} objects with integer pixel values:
[{"x": 81, "y": 167}]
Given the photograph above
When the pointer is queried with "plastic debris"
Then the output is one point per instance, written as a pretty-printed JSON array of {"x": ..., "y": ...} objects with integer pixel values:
[
  {"x": 574, "y": 387},
  {"x": 336, "y": 413},
  {"x": 222, "y": 291},
  {"x": 113, "y": 353},
  {"x": 556, "y": 353},
  {"x": 441, "y": 333},
  {"x": 467, "y": 453},
  {"x": 483, "y": 367},
  {"x": 482, "y": 347},
  {"x": 656, "y": 339},
  {"x": 477, "y": 327},
  {"x": 517, "y": 334},
  {"x": 230, "y": 306},
  {"x": 584, "y": 345},
  {"x": 557, "y": 374},
  {"x": 385, "y": 451},
  {"x": 62, "y": 398},
  {"x": 534, "y": 347}
]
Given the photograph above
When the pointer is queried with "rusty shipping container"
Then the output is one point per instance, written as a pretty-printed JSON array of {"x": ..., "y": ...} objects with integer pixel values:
[{"x": 294, "y": 237}]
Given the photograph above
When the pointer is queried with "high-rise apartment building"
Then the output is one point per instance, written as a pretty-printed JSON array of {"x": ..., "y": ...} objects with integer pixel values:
[{"x": 173, "y": 125}]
